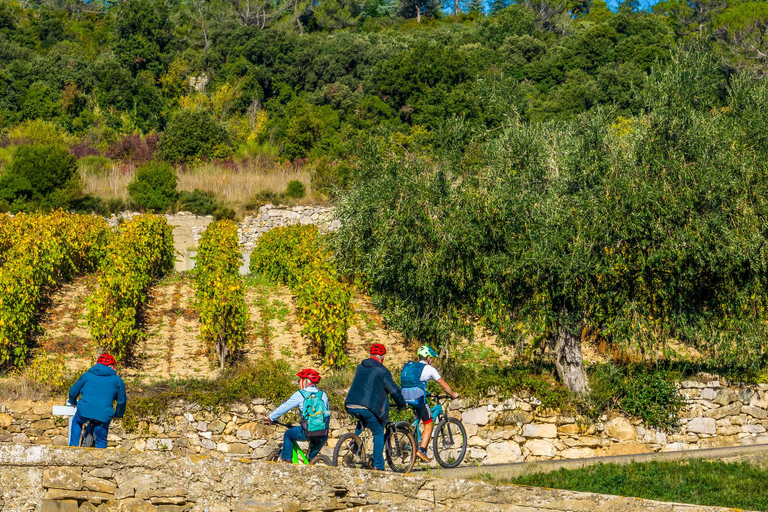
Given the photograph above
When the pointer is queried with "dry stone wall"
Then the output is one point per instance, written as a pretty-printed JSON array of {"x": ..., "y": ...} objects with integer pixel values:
[
  {"x": 51, "y": 479},
  {"x": 253, "y": 226},
  {"x": 269, "y": 217},
  {"x": 499, "y": 431}
]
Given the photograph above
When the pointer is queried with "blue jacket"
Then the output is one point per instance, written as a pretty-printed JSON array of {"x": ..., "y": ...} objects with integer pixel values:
[
  {"x": 370, "y": 387},
  {"x": 98, "y": 388}
]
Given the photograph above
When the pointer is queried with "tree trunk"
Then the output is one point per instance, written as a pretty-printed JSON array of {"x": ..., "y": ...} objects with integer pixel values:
[
  {"x": 222, "y": 352},
  {"x": 569, "y": 361},
  {"x": 418, "y": 14}
]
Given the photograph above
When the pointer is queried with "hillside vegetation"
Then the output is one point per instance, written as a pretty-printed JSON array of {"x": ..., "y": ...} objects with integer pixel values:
[
  {"x": 254, "y": 85},
  {"x": 554, "y": 174}
]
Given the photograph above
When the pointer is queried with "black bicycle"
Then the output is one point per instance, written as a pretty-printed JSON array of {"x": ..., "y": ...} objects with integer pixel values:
[
  {"x": 298, "y": 454},
  {"x": 356, "y": 451}
]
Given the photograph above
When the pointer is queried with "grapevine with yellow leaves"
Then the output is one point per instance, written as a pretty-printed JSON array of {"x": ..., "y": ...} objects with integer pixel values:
[
  {"x": 141, "y": 253},
  {"x": 296, "y": 256},
  {"x": 39, "y": 252},
  {"x": 220, "y": 291}
]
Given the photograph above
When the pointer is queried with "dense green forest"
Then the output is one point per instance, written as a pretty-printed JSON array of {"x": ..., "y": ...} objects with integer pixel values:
[{"x": 199, "y": 79}]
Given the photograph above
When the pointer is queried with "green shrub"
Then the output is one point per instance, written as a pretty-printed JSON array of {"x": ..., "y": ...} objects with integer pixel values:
[
  {"x": 194, "y": 135},
  {"x": 204, "y": 203},
  {"x": 295, "y": 189},
  {"x": 39, "y": 132},
  {"x": 329, "y": 178},
  {"x": 477, "y": 380},
  {"x": 41, "y": 177},
  {"x": 647, "y": 393},
  {"x": 197, "y": 202},
  {"x": 652, "y": 396},
  {"x": 95, "y": 165},
  {"x": 154, "y": 188}
]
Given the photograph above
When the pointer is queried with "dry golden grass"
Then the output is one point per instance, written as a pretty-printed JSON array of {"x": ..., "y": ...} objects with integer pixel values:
[
  {"x": 233, "y": 182},
  {"x": 20, "y": 387},
  {"x": 113, "y": 184},
  {"x": 240, "y": 185}
]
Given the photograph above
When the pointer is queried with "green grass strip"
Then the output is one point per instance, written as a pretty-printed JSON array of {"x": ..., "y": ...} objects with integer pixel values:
[{"x": 734, "y": 485}]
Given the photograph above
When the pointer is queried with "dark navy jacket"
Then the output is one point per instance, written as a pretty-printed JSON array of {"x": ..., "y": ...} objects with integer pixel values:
[
  {"x": 98, "y": 388},
  {"x": 370, "y": 387}
]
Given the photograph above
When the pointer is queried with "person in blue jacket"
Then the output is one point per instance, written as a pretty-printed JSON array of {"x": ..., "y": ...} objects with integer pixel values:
[
  {"x": 367, "y": 399},
  {"x": 98, "y": 389}
]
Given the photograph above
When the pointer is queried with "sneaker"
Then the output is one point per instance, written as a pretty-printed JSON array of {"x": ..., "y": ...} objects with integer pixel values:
[{"x": 423, "y": 455}]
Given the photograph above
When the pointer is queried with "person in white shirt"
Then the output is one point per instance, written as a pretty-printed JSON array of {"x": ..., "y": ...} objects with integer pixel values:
[{"x": 413, "y": 381}]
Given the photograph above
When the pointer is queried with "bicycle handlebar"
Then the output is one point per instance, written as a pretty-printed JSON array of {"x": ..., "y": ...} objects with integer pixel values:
[{"x": 281, "y": 424}]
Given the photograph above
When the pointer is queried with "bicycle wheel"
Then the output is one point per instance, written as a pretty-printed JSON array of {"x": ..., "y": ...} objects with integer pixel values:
[
  {"x": 320, "y": 460},
  {"x": 449, "y": 443},
  {"x": 348, "y": 452},
  {"x": 400, "y": 450},
  {"x": 274, "y": 456},
  {"x": 405, "y": 425}
]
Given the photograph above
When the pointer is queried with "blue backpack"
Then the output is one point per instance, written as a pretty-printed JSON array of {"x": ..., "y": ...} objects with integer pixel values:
[
  {"x": 313, "y": 414},
  {"x": 411, "y": 375}
]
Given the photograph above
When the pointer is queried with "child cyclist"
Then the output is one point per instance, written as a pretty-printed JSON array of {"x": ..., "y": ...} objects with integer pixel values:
[
  {"x": 413, "y": 381},
  {"x": 315, "y": 414}
]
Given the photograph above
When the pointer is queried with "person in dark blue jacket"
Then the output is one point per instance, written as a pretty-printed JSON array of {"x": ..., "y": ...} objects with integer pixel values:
[
  {"x": 98, "y": 389},
  {"x": 367, "y": 399}
]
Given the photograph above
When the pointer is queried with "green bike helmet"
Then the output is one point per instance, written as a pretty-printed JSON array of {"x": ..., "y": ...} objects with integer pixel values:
[{"x": 425, "y": 351}]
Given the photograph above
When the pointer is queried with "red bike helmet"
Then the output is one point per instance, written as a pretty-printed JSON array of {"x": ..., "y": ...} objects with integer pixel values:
[
  {"x": 377, "y": 349},
  {"x": 106, "y": 359},
  {"x": 310, "y": 374}
]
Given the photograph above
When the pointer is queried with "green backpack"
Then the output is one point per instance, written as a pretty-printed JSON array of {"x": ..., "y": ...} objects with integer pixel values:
[{"x": 313, "y": 414}]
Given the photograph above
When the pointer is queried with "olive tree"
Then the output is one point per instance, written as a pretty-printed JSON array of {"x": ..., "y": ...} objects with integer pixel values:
[{"x": 645, "y": 229}]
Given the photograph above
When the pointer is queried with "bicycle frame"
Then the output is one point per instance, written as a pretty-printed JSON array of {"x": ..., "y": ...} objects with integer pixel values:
[
  {"x": 297, "y": 455},
  {"x": 437, "y": 413}
]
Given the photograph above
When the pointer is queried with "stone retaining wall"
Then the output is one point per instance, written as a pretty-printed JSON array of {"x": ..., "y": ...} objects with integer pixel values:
[
  {"x": 269, "y": 217},
  {"x": 498, "y": 431},
  {"x": 253, "y": 226},
  {"x": 76, "y": 480}
]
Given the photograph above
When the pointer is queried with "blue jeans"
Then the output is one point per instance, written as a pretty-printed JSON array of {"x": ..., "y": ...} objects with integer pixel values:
[
  {"x": 100, "y": 431},
  {"x": 297, "y": 434},
  {"x": 368, "y": 420}
]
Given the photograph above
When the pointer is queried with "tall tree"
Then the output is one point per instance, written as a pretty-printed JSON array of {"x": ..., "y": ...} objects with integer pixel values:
[
  {"x": 497, "y": 6},
  {"x": 475, "y": 6}
]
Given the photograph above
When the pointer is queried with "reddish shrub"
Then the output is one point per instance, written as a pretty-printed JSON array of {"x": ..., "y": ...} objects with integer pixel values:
[
  {"x": 134, "y": 148},
  {"x": 82, "y": 149}
]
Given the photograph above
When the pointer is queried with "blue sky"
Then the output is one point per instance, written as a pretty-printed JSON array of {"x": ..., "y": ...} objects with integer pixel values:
[{"x": 644, "y": 4}]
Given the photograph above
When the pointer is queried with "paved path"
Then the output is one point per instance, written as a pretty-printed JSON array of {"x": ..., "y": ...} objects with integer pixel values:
[{"x": 756, "y": 453}]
